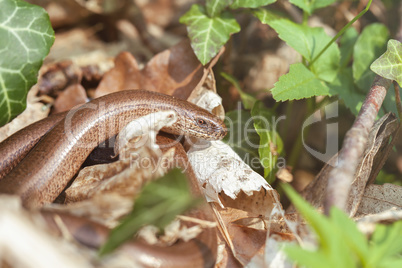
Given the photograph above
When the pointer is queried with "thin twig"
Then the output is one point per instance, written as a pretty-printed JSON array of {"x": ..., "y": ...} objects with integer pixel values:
[
  {"x": 341, "y": 32},
  {"x": 341, "y": 177}
]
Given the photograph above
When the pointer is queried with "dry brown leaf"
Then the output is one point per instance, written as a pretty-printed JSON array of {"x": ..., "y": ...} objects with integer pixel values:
[
  {"x": 380, "y": 198},
  {"x": 69, "y": 98},
  {"x": 56, "y": 77},
  {"x": 175, "y": 72},
  {"x": 378, "y": 138}
]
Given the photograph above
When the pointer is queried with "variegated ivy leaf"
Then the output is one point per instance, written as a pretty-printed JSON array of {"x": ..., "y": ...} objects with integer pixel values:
[
  {"x": 25, "y": 39},
  {"x": 389, "y": 64},
  {"x": 207, "y": 34}
]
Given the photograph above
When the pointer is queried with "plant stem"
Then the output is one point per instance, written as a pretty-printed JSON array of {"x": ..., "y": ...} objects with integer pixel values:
[
  {"x": 341, "y": 177},
  {"x": 305, "y": 18},
  {"x": 398, "y": 100},
  {"x": 341, "y": 32}
]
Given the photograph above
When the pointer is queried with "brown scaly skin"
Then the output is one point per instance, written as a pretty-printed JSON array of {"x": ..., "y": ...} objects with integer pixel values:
[
  {"x": 16, "y": 147},
  {"x": 45, "y": 171}
]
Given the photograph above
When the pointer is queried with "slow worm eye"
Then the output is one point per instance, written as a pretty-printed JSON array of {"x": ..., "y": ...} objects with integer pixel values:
[{"x": 201, "y": 122}]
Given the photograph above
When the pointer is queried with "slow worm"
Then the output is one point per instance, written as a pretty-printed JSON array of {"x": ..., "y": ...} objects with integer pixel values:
[{"x": 43, "y": 173}]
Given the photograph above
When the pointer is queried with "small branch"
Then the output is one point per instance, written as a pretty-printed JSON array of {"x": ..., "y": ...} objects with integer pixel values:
[{"x": 342, "y": 176}]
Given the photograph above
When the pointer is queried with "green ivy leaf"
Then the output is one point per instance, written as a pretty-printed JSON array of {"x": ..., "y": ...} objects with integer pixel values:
[
  {"x": 207, "y": 34},
  {"x": 271, "y": 144},
  {"x": 265, "y": 16},
  {"x": 26, "y": 36},
  {"x": 369, "y": 46},
  {"x": 250, "y": 3},
  {"x": 310, "y": 6},
  {"x": 158, "y": 204},
  {"x": 247, "y": 99},
  {"x": 243, "y": 138},
  {"x": 389, "y": 64},
  {"x": 309, "y": 42},
  {"x": 299, "y": 83},
  {"x": 215, "y": 7}
]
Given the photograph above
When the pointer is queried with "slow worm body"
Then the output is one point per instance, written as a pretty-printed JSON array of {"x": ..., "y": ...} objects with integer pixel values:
[
  {"x": 43, "y": 173},
  {"x": 41, "y": 176}
]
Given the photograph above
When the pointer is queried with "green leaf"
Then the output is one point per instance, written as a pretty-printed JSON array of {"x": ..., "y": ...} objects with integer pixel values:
[
  {"x": 307, "y": 258},
  {"x": 351, "y": 235},
  {"x": 299, "y": 83},
  {"x": 247, "y": 99},
  {"x": 207, "y": 34},
  {"x": 369, "y": 46},
  {"x": 26, "y": 36},
  {"x": 309, "y": 42},
  {"x": 215, "y": 7},
  {"x": 330, "y": 235},
  {"x": 271, "y": 144},
  {"x": 265, "y": 16},
  {"x": 243, "y": 138},
  {"x": 386, "y": 242},
  {"x": 310, "y": 5},
  {"x": 389, "y": 65},
  {"x": 347, "y": 43},
  {"x": 250, "y": 3},
  {"x": 158, "y": 204},
  {"x": 344, "y": 86}
]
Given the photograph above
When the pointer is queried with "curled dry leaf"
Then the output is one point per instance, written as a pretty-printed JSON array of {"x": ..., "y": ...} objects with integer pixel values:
[
  {"x": 219, "y": 168},
  {"x": 378, "y": 138},
  {"x": 175, "y": 72},
  {"x": 373, "y": 156},
  {"x": 240, "y": 192}
]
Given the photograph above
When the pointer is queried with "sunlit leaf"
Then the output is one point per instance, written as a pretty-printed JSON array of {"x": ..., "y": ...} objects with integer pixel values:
[
  {"x": 250, "y": 3},
  {"x": 310, "y": 6},
  {"x": 207, "y": 34},
  {"x": 309, "y": 42},
  {"x": 215, "y": 7},
  {"x": 26, "y": 36},
  {"x": 389, "y": 65},
  {"x": 299, "y": 83}
]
